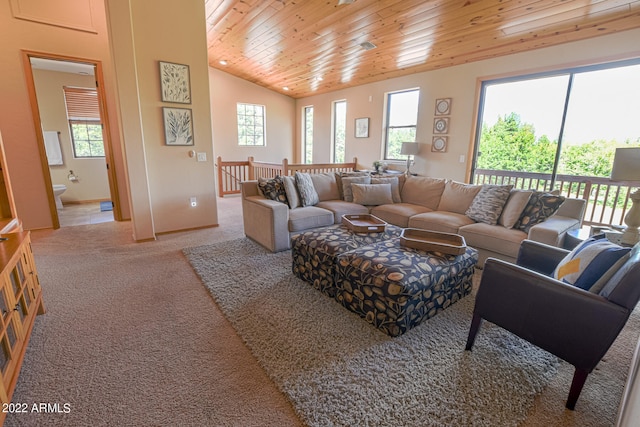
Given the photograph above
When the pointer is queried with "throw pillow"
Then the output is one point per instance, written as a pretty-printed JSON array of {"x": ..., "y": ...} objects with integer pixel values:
[
  {"x": 589, "y": 261},
  {"x": 457, "y": 197},
  {"x": 488, "y": 203},
  {"x": 540, "y": 207},
  {"x": 514, "y": 207},
  {"x": 308, "y": 194},
  {"x": 347, "y": 192},
  {"x": 372, "y": 194},
  {"x": 273, "y": 188},
  {"x": 292, "y": 191},
  {"x": 395, "y": 186},
  {"x": 340, "y": 175}
]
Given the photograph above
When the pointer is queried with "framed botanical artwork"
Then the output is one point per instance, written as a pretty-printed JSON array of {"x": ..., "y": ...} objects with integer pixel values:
[
  {"x": 439, "y": 144},
  {"x": 443, "y": 106},
  {"x": 178, "y": 126},
  {"x": 174, "y": 83},
  {"x": 441, "y": 125},
  {"x": 362, "y": 127}
]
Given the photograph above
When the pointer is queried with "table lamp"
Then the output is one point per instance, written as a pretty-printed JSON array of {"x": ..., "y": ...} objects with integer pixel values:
[
  {"x": 626, "y": 167},
  {"x": 409, "y": 149}
]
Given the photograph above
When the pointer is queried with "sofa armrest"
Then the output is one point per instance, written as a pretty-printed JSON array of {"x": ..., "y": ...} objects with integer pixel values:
[
  {"x": 553, "y": 230},
  {"x": 265, "y": 221},
  {"x": 575, "y": 325},
  {"x": 540, "y": 257}
]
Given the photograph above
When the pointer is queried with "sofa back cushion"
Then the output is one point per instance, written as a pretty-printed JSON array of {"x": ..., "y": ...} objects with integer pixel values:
[
  {"x": 308, "y": 194},
  {"x": 291, "y": 189},
  {"x": 457, "y": 197},
  {"x": 423, "y": 191},
  {"x": 326, "y": 186}
]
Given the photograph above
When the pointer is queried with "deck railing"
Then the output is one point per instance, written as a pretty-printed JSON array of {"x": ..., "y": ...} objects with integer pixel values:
[
  {"x": 231, "y": 174},
  {"x": 607, "y": 201}
]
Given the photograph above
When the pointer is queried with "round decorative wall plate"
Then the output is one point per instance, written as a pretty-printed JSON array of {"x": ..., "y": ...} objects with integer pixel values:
[
  {"x": 443, "y": 106},
  {"x": 441, "y": 125},
  {"x": 439, "y": 144}
]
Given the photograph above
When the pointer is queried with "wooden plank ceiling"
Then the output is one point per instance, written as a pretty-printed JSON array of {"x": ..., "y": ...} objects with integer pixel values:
[{"x": 314, "y": 46}]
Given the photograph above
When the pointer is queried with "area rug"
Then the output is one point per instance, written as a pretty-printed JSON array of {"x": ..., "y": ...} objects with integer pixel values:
[
  {"x": 106, "y": 206},
  {"x": 337, "y": 370}
]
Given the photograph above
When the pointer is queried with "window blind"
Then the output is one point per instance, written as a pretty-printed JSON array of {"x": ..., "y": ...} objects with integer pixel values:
[{"x": 82, "y": 103}]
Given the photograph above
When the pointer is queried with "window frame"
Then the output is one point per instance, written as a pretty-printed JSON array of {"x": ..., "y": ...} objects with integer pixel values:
[
  {"x": 83, "y": 108},
  {"x": 388, "y": 127},
  {"x": 74, "y": 142},
  {"x": 306, "y": 145},
  {"x": 253, "y": 126},
  {"x": 334, "y": 129}
]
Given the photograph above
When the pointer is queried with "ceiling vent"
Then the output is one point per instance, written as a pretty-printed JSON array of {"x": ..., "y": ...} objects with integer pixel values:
[{"x": 368, "y": 45}]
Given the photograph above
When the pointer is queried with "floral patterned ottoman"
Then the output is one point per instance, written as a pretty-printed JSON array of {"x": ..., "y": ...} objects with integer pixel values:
[
  {"x": 396, "y": 288},
  {"x": 314, "y": 252}
]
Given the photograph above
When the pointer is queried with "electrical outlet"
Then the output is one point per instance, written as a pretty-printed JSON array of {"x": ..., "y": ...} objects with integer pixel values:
[
  {"x": 194, "y": 202},
  {"x": 202, "y": 157}
]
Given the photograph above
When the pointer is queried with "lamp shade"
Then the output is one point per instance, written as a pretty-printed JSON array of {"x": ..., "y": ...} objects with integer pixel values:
[
  {"x": 410, "y": 148},
  {"x": 626, "y": 164}
]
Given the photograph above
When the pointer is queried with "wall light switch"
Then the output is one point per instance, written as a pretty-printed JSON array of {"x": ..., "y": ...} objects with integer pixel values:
[
  {"x": 202, "y": 157},
  {"x": 461, "y": 158}
]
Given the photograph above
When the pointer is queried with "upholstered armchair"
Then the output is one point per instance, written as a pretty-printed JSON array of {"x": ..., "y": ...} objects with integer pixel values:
[{"x": 575, "y": 325}]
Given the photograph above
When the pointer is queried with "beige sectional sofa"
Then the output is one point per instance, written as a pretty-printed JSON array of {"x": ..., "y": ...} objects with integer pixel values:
[{"x": 416, "y": 202}]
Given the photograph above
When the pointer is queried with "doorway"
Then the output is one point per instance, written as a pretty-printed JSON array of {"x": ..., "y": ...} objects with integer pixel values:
[{"x": 72, "y": 126}]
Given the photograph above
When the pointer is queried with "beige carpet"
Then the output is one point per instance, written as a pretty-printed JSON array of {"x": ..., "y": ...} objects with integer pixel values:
[{"x": 132, "y": 337}]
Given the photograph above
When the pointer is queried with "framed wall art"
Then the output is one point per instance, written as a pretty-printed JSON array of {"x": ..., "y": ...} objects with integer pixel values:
[
  {"x": 443, "y": 106},
  {"x": 441, "y": 125},
  {"x": 178, "y": 126},
  {"x": 439, "y": 144},
  {"x": 362, "y": 127},
  {"x": 174, "y": 83}
]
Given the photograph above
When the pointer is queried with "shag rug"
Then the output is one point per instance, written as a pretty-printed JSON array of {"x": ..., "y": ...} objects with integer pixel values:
[{"x": 337, "y": 370}]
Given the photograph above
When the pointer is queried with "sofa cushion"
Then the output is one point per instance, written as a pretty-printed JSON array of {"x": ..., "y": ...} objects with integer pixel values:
[
  {"x": 340, "y": 207},
  {"x": 540, "y": 207},
  {"x": 347, "y": 181},
  {"x": 326, "y": 186},
  {"x": 291, "y": 189},
  {"x": 340, "y": 175},
  {"x": 514, "y": 207},
  {"x": 398, "y": 213},
  {"x": 589, "y": 261},
  {"x": 309, "y": 217},
  {"x": 395, "y": 186},
  {"x": 273, "y": 188},
  {"x": 372, "y": 194},
  {"x": 423, "y": 191},
  {"x": 308, "y": 194},
  {"x": 446, "y": 222},
  {"x": 488, "y": 203},
  {"x": 457, "y": 197},
  {"x": 494, "y": 238}
]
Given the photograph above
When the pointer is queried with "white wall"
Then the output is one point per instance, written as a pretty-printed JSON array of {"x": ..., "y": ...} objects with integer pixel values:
[
  {"x": 459, "y": 83},
  {"x": 226, "y": 92}
]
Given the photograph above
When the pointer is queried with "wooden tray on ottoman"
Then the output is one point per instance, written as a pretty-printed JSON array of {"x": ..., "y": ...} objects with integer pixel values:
[
  {"x": 425, "y": 240},
  {"x": 364, "y": 223}
]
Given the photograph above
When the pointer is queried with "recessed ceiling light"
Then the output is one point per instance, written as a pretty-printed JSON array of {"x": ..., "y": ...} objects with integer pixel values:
[
  {"x": 223, "y": 62},
  {"x": 285, "y": 88},
  {"x": 319, "y": 79},
  {"x": 368, "y": 45},
  {"x": 345, "y": 2}
]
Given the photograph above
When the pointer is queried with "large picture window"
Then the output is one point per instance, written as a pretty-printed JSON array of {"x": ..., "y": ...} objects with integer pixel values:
[
  {"x": 251, "y": 124},
  {"x": 83, "y": 113},
  {"x": 562, "y": 123},
  {"x": 402, "y": 122}
]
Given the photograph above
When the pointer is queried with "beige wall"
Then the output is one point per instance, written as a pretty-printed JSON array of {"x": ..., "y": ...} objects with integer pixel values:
[
  {"x": 163, "y": 178},
  {"x": 92, "y": 183},
  {"x": 16, "y": 122},
  {"x": 459, "y": 83},
  {"x": 226, "y": 92}
]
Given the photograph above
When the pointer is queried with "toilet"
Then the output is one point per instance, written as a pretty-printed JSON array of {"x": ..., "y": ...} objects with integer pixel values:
[{"x": 58, "y": 189}]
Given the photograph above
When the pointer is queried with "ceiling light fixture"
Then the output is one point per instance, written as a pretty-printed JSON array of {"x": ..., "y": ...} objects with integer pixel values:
[
  {"x": 223, "y": 62},
  {"x": 341, "y": 2},
  {"x": 319, "y": 79},
  {"x": 368, "y": 45},
  {"x": 285, "y": 88}
]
